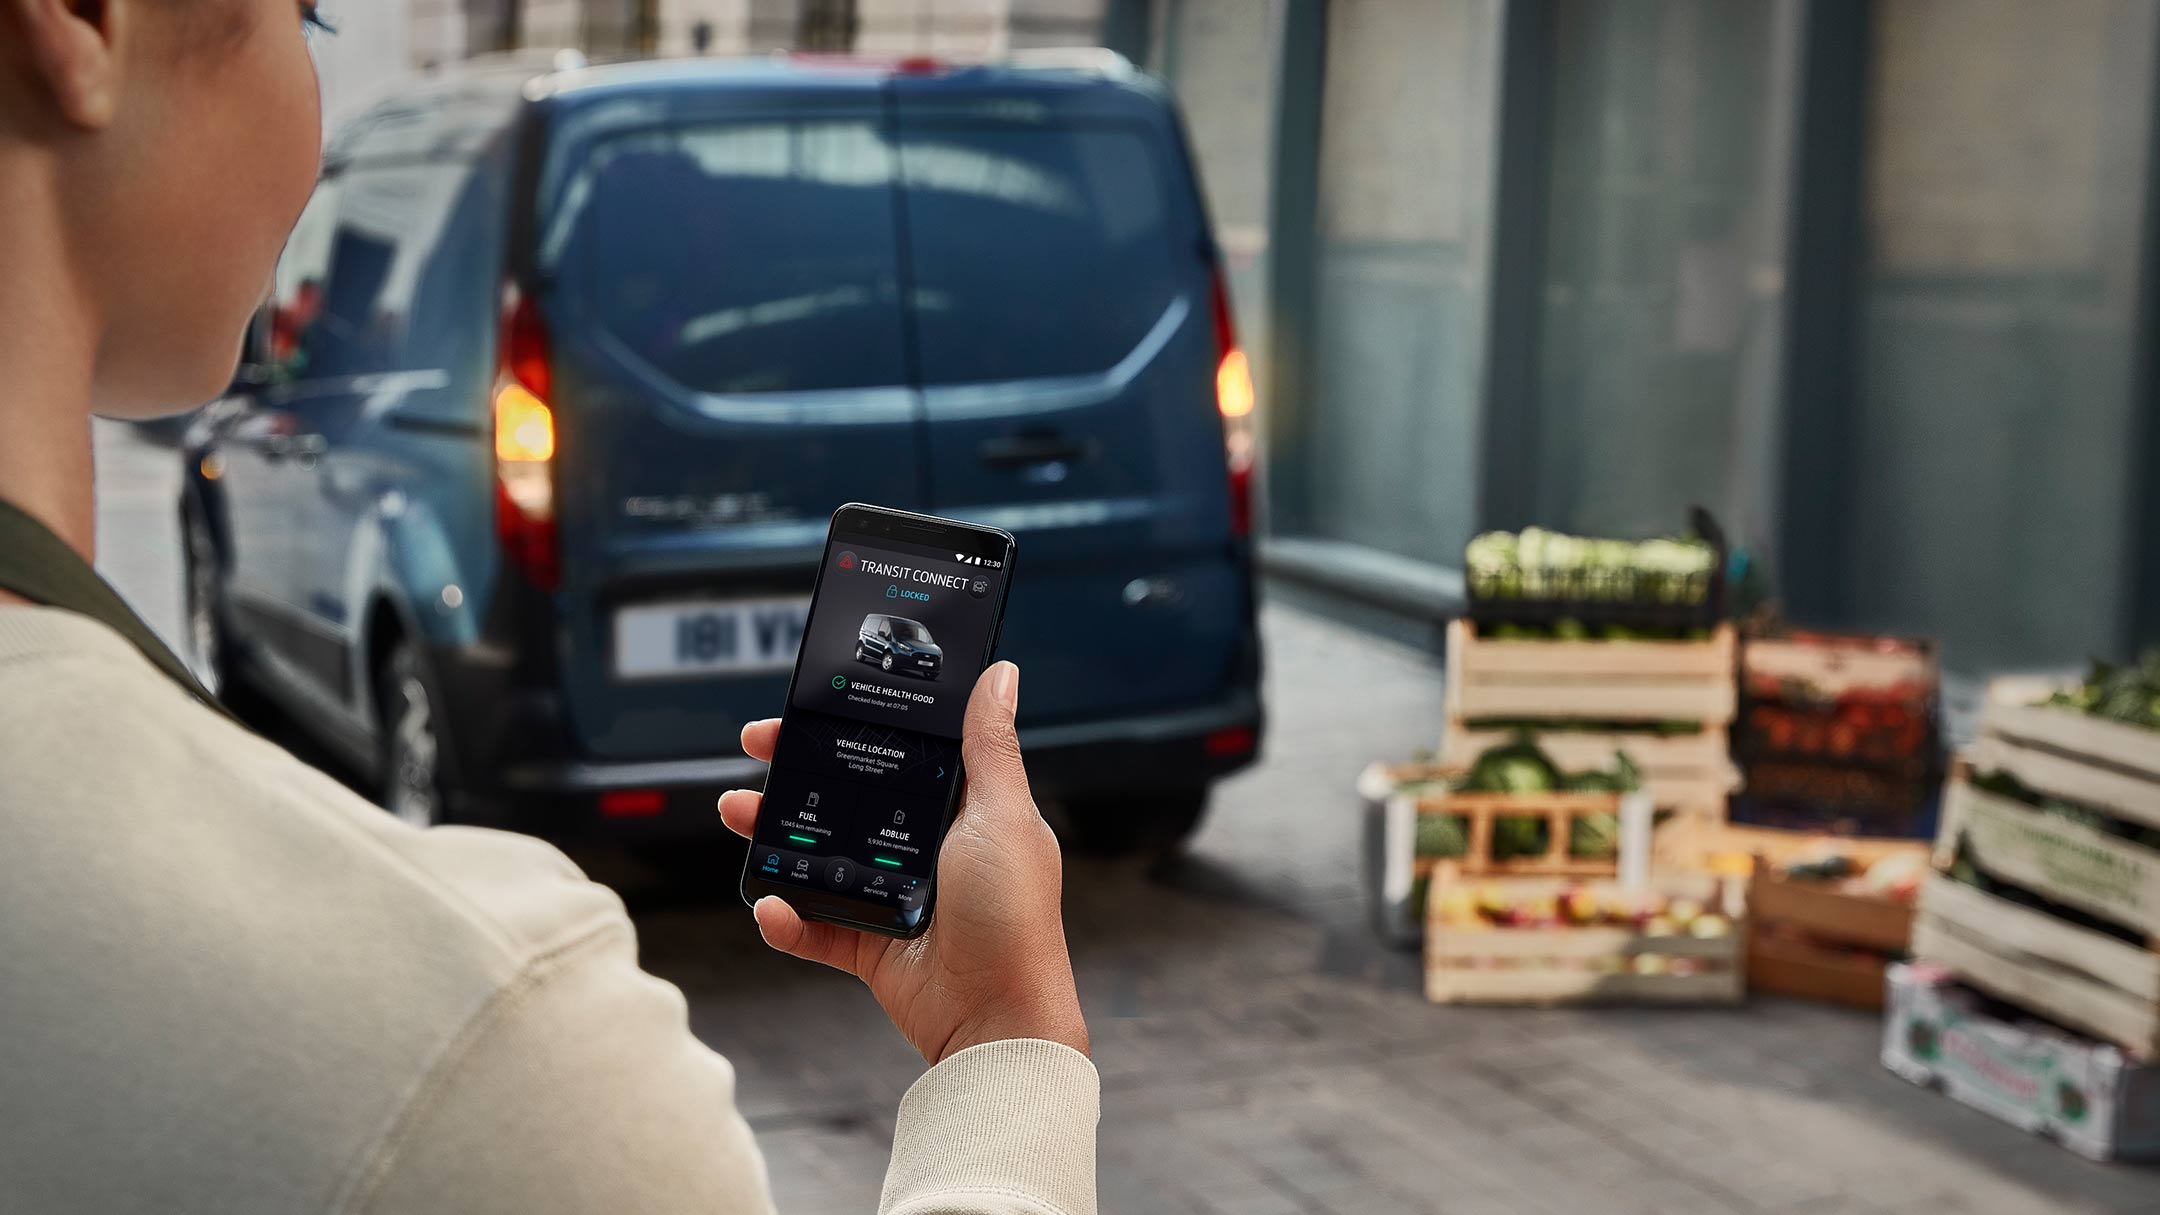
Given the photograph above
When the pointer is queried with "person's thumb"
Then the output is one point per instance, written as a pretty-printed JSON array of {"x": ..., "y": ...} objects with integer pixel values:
[{"x": 988, "y": 744}]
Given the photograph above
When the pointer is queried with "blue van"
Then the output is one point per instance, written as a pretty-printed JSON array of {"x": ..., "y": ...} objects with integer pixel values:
[{"x": 518, "y": 495}]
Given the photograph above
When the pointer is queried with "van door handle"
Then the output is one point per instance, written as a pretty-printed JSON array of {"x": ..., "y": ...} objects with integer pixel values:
[{"x": 1018, "y": 451}]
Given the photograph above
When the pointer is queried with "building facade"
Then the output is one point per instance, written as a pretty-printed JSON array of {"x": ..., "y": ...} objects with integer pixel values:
[
  {"x": 1870, "y": 279},
  {"x": 445, "y": 30}
]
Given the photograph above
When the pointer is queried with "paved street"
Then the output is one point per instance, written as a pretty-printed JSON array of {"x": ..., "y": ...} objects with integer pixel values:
[{"x": 1262, "y": 1054}]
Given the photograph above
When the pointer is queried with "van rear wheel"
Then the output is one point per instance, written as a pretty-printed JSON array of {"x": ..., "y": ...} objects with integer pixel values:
[{"x": 1145, "y": 822}]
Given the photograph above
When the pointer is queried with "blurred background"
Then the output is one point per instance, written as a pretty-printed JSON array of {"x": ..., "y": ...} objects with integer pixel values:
[
  {"x": 1871, "y": 283},
  {"x": 1866, "y": 279}
]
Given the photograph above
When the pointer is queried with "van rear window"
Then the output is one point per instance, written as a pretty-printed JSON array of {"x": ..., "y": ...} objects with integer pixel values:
[
  {"x": 1035, "y": 252},
  {"x": 747, "y": 257},
  {"x": 764, "y": 256}
]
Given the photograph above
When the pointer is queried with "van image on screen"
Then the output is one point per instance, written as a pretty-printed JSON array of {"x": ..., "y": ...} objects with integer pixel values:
[
  {"x": 518, "y": 497},
  {"x": 895, "y": 643}
]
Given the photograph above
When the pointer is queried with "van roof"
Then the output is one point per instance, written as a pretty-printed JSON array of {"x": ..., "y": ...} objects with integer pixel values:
[
  {"x": 449, "y": 110},
  {"x": 540, "y": 73}
]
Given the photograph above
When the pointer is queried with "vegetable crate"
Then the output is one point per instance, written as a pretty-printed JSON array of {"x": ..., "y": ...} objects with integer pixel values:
[
  {"x": 1470, "y": 962},
  {"x": 1677, "y": 769},
  {"x": 1559, "y": 812},
  {"x": 2089, "y": 954},
  {"x": 1808, "y": 939},
  {"x": 1396, "y": 875},
  {"x": 1581, "y": 937},
  {"x": 1855, "y": 700},
  {"x": 1619, "y": 682},
  {"x": 1822, "y": 943}
]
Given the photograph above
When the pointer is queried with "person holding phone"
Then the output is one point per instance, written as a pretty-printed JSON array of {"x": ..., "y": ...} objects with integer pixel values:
[{"x": 228, "y": 983}]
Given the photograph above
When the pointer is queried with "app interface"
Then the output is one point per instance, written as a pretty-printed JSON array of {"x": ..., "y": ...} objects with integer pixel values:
[{"x": 855, "y": 802}]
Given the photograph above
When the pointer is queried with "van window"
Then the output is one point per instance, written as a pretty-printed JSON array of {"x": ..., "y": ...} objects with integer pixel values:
[
  {"x": 296, "y": 287},
  {"x": 1036, "y": 252},
  {"x": 744, "y": 257},
  {"x": 399, "y": 273}
]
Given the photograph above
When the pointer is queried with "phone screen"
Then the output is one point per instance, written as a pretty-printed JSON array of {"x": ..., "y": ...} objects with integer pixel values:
[{"x": 903, "y": 619}]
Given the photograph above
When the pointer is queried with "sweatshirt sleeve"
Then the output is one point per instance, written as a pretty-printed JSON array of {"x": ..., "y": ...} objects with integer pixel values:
[
  {"x": 1005, "y": 1128},
  {"x": 580, "y": 1088}
]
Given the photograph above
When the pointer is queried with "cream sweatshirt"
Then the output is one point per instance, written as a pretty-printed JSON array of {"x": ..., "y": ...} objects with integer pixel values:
[{"x": 228, "y": 984}]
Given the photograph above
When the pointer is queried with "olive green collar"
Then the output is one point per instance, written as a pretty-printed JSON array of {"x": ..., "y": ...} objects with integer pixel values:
[{"x": 39, "y": 566}]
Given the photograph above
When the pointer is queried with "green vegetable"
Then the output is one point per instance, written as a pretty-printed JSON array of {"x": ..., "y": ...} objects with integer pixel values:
[
  {"x": 2129, "y": 694},
  {"x": 1516, "y": 767},
  {"x": 1443, "y": 835},
  {"x": 1595, "y": 837},
  {"x": 1519, "y": 836},
  {"x": 1536, "y": 564}
]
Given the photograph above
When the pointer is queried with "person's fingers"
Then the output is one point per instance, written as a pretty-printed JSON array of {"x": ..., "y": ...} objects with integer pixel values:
[
  {"x": 759, "y": 738},
  {"x": 996, "y": 776},
  {"x": 738, "y": 809},
  {"x": 791, "y": 934}
]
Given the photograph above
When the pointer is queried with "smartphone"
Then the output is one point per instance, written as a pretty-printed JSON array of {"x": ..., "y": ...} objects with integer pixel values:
[{"x": 904, "y": 616}]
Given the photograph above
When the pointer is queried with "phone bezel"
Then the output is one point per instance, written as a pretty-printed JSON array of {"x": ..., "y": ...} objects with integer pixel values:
[{"x": 869, "y": 524}]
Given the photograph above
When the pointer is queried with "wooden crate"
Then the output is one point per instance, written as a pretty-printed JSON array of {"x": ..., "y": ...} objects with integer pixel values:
[
  {"x": 2068, "y": 862},
  {"x": 1569, "y": 965},
  {"x": 1559, "y": 810},
  {"x": 1590, "y": 680},
  {"x": 1833, "y": 916},
  {"x": 1805, "y": 939},
  {"x": 1791, "y": 966},
  {"x": 1833, "y": 664},
  {"x": 1730, "y": 849},
  {"x": 2075, "y": 756},
  {"x": 2088, "y": 979},
  {"x": 1815, "y": 941},
  {"x": 2063, "y": 971}
]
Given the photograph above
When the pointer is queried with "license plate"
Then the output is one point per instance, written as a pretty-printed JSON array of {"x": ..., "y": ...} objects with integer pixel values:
[{"x": 708, "y": 637}]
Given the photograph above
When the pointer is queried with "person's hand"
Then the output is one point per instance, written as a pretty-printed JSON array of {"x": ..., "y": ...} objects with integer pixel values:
[{"x": 993, "y": 964}]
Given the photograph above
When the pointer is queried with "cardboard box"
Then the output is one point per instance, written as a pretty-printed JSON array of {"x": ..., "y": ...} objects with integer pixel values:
[{"x": 2085, "y": 1094}]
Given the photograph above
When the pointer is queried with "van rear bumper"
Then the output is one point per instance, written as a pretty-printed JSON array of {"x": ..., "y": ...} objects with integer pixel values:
[
  {"x": 661, "y": 800},
  {"x": 1181, "y": 747}
]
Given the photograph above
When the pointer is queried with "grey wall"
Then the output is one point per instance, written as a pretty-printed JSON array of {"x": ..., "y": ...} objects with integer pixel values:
[
  {"x": 1869, "y": 278},
  {"x": 1389, "y": 438},
  {"x": 1660, "y": 262},
  {"x": 2006, "y": 171}
]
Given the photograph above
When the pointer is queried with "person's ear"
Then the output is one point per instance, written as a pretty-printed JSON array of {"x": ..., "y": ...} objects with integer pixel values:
[{"x": 72, "y": 47}]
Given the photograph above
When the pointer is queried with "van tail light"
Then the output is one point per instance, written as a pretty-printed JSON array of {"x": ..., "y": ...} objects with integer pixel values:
[
  {"x": 525, "y": 444},
  {"x": 1234, "y": 400}
]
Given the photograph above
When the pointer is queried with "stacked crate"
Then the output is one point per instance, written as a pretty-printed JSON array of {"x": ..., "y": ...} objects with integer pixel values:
[
  {"x": 1839, "y": 733},
  {"x": 1639, "y": 686},
  {"x": 2065, "y": 920},
  {"x": 1813, "y": 938},
  {"x": 1552, "y": 960}
]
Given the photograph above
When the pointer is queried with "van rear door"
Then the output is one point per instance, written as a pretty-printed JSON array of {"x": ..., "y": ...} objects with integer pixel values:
[
  {"x": 731, "y": 366},
  {"x": 1061, "y": 279}
]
